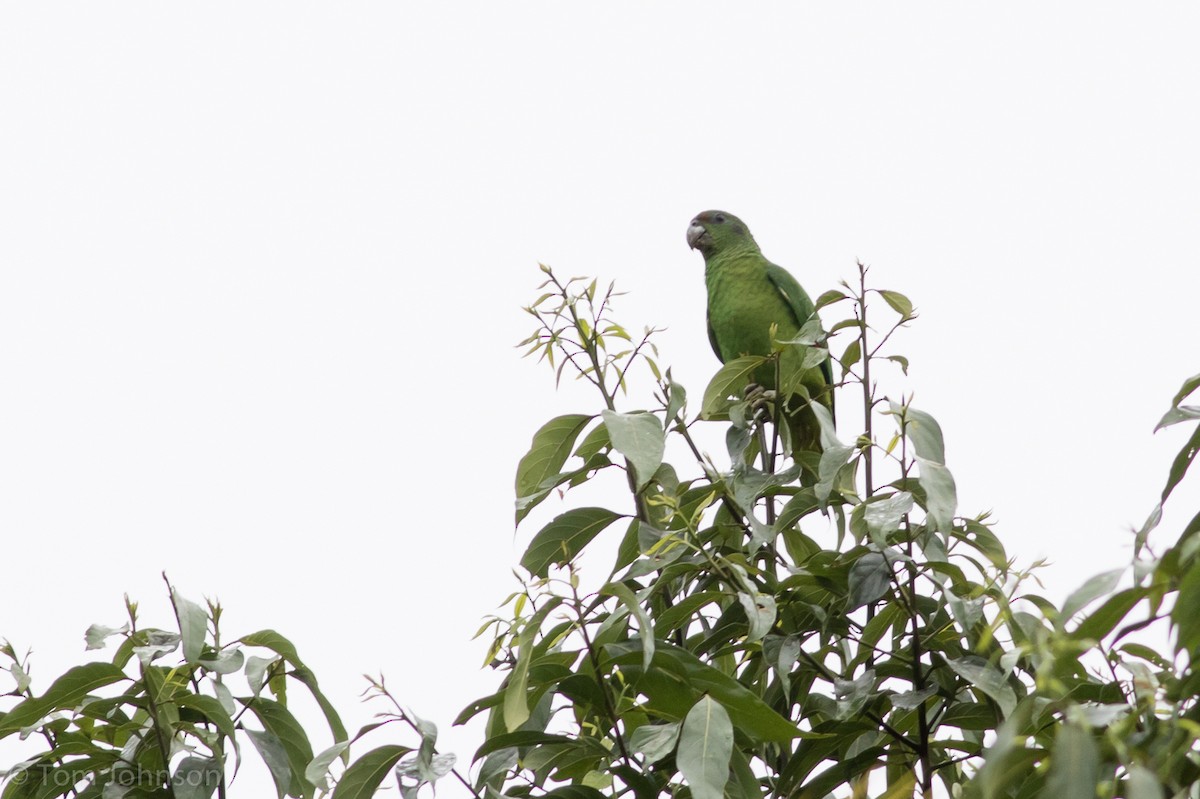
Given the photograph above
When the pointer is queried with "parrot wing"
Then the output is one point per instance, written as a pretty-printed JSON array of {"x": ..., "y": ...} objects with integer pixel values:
[
  {"x": 712, "y": 338},
  {"x": 802, "y": 308}
]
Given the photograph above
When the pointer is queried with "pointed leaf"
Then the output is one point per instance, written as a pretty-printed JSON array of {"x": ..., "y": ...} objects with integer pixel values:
[
  {"x": 1189, "y": 385},
  {"x": 193, "y": 626},
  {"x": 645, "y": 626},
  {"x": 366, "y": 774},
  {"x": 941, "y": 495},
  {"x": 924, "y": 432},
  {"x": 729, "y": 381},
  {"x": 639, "y": 437},
  {"x": 227, "y": 661},
  {"x": 562, "y": 539},
  {"x": 900, "y": 304},
  {"x": 1074, "y": 765},
  {"x": 655, "y": 741},
  {"x": 212, "y": 710},
  {"x": 1181, "y": 463},
  {"x": 987, "y": 678},
  {"x": 65, "y": 693},
  {"x": 705, "y": 745},
  {"x": 274, "y": 755},
  {"x": 883, "y": 516},
  {"x": 851, "y": 356},
  {"x": 516, "y": 699},
  {"x": 1097, "y": 586},
  {"x": 676, "y": 399},
  {"x": 95, "y": 635},
  {"x": 760, "y": 613},
  {"x": 317, "y": 772},
  {"x": 829, "y": 298},
  {"x": 1143, "y": 784},
  {"x": 550, "y": 449},
  {"x": 287, "y": 732},
  {"x": 196, "y": 778},
  {"x": 869, "y": 579}
]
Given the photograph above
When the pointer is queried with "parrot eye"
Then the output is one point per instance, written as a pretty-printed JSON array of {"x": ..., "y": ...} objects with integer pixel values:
[{"x": 719, "y": 219}]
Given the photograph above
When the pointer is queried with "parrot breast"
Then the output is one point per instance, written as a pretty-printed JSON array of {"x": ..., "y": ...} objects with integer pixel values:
[{"x": 742, "y": 306}]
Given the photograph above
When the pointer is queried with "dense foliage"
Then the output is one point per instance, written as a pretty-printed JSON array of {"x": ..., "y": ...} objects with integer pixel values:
[{"x": 764, "y": 627}]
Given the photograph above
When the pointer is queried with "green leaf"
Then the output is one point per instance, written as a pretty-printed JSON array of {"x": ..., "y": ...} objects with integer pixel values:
[
  {"x": 516, "y": 699},
  {"x": 923, "y": 431},
  {"x": 304, "y": 675},
  {"x": 275, "y": 756},
  {"x": 283, "y": 727},
  {"x": 364, "y": 776},
  {"x": 256, "y": 671},
  {"x": 911, "y": 700},
  {"x": 317, "y": 771},
  {"x": 285, "y": 649},
  {"x": 211, "y": 709},
  {"x": 562, "y": 539},
  {"x": 799, "y": 506},
  {"x": 1074, "y": 765},
  {"x": 883, "y": 515},
  {"x": 971, "y": 716},
  {"x": 574, "y": 792},
  {"x": 228, "y": 661},
  {"x": 679, "y": 614},
  {"x": 196, "y": 778},
  {"x": 705, "y": 745},
  {"x": 193, "y": 626},
  {"x": 593, "y": 443},
  {"x": 275, "y": 642},
  {"x": 833, "y": 458},
  {"x": 941, "y": 495},
  {"x": 97, "y": 633},
  {"x": 1185, "y": 614},
  {"x": 1095, "y": 587},
  {"x": 1146, "y": 653},
  {"x": 845, "y": 770},
  {"x": 900, "y": 304},
  {"x": 676, "y": 399},
  {"x": 65, "y": 693},
  {"x": 519, "y": 739},
  {"x": 1181, "y": 463},
  {"x": 852, "y": 695},
  {"x": 987, "y": 678},
  {"x": 645, "y": 625},
  {"x": 869, "y": 579},
  {"x": 655, "y": 741},
  {"x": 424, "y": 768},
  {"x": 729, "y": 381},
  {"x": 639, "y": 437},
  {"x": 1009, "y": 761},
  {"x": 1181, "y": 413},
  {"x": 760, "y": 613},
  {"x": 851, "y": 356},
  {"x": 753, "y": 717},
  {"x": 829, "y": 298},
  {"x": 550, "y": 449},
  {"x": 1189, "y": 385},
  {"x": 1143, "y": 784}
]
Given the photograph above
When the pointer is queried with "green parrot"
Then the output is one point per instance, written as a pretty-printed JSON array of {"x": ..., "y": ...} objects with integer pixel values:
[{"x": 746, "y": 295}]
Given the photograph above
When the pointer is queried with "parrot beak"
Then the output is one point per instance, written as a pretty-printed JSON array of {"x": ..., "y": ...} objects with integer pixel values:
[{"x": 696, "y": 234}]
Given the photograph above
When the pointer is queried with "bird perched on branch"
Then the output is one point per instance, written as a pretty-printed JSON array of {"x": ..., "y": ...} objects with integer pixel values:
[{"x": 747, "y": 296}]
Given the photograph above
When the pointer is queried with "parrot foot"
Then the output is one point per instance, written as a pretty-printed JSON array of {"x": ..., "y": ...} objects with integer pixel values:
[{"x": 760, "y": 400}]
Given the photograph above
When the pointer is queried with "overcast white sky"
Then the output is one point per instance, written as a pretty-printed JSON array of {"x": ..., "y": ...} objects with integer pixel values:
[{"x": 261, "y": 267}]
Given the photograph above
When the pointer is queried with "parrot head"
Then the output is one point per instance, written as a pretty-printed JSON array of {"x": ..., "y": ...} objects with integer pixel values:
[{"x": 717, "y": 231}]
